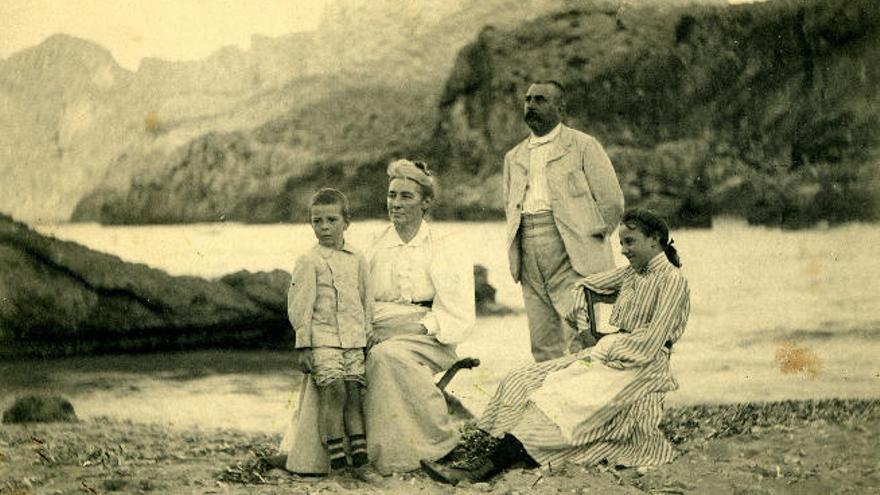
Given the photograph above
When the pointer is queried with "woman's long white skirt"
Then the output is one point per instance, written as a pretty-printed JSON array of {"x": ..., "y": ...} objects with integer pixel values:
[{"x": 406, "y": 414}]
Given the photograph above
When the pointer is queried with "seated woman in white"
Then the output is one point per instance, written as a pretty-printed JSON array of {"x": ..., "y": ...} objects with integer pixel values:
[{"x": 422, "y": 281}]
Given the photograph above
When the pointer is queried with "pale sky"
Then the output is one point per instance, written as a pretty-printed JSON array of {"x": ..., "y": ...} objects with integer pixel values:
[{"x": 166, "y": 29}]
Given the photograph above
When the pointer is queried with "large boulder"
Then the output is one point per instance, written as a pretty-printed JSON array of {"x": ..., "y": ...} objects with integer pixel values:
[
  {"x": 57, "y": 297},
  {"x": 39, "y": 409}
]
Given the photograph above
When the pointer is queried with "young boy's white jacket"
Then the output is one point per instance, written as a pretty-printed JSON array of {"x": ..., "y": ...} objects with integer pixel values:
[{"x": 329, "y": 302}]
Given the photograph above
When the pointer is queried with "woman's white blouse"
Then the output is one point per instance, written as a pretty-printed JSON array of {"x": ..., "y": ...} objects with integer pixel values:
[
  {"x": 430, "y": 267},
  {"x": 401, "y": 271}
]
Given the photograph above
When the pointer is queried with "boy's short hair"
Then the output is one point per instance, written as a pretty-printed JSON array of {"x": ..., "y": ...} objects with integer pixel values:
[{"x": 330, "y": 196}]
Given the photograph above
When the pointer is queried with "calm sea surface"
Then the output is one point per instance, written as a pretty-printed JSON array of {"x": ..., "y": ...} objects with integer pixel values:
[{"x": 758, "y": 296}]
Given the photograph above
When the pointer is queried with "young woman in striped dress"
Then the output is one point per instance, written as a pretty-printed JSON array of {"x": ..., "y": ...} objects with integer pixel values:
[{"x": 604, "y": 403}]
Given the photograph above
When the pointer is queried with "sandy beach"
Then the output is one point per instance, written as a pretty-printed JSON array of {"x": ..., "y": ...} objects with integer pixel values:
[
  {"x": 204, "y": 422},
  {"x": 770, "y": 448}
]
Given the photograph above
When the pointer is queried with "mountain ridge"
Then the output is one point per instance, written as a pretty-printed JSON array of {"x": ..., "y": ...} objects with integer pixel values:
[
  {"x": 144, "y": 116},
  {"x": 761, "y": 110}
]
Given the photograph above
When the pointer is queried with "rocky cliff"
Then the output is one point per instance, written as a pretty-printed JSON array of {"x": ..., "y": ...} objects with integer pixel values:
[
  {"x": 72, "y": 121},
  {"x": 45, "y": 122},
  {"x": 763, "y": 110},
  {"x": 68, "y": 111}
]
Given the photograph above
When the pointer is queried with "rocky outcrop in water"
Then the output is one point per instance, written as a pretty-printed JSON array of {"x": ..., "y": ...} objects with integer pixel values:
[{"x": 58, "y": 298}]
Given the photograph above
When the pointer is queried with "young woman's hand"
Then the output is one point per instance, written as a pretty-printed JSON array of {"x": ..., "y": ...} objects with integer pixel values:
[
  {"x": 578, "y": 307},
  {"x": 600, "y": 350},
  {"x": 581, "y": 341}
]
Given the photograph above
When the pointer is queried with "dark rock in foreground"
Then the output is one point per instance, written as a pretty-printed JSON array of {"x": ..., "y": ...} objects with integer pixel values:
[
  {"x": 60, "y": 298},
  {"x": 37, "y": 409}
]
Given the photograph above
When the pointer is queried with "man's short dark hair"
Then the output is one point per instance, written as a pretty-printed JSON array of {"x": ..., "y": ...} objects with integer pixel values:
[
  {"x": 552, "y": 82},
  {"x": 330, "y": 196},
  {"x": 559, "y": 87}
]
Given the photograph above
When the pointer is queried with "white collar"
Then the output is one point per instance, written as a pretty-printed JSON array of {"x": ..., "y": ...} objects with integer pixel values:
[
  {"x": 392, "y": 238},
  {"x": 327, "y": 252},
  {"x": 535, "y": 141}
]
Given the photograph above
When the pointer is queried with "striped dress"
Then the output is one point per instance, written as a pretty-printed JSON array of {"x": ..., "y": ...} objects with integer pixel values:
[{"x": 620, "y": 421}]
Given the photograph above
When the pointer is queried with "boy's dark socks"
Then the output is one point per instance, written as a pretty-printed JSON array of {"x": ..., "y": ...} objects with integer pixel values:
[
  {"x": 358, "y": 444},
  {"x": 336, "y": 451}
]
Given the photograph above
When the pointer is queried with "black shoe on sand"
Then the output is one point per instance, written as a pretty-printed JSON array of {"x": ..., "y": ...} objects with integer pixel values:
[
  {"x": 445, "y": 474},
  {"x": 277, "y": 461},
  {"x": 452, "y": 476},
  {"x": 359, "y": 459}
]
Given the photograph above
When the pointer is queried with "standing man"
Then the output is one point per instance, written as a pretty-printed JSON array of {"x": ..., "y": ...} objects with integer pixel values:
[{"x": 562, "y": 202}]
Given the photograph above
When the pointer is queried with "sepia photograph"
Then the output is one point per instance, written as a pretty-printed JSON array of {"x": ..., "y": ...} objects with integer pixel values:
[{"x": 439, "y": 246}]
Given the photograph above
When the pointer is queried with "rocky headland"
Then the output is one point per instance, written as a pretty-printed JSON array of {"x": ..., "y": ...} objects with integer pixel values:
[
  {"x": 766, "y": 111},
  {"x": 60, "y": 298}
]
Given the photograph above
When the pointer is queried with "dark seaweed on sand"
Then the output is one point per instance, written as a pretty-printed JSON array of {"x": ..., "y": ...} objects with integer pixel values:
[
  {"x": 703, "y": 422},
  {"x": 684, "y": 424}
]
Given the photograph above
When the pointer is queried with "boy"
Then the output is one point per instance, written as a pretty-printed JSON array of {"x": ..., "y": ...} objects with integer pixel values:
[{"x": 330, "y": 308}]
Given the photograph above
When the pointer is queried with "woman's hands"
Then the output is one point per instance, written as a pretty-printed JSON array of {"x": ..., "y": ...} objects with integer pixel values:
[
  {"x": 578, "y": 305},
  {"x": 386, "y": 332}
]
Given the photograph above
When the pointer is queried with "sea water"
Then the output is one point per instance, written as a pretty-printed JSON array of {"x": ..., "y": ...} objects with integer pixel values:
[{"x": 760, "y": 297}]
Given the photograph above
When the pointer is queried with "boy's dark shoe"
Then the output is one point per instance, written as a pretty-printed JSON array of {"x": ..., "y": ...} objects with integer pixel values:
[
  {"x": 359, "y": 459},
  {"x": 366, "y": 474},
  {"x": 277, "y": 461}
]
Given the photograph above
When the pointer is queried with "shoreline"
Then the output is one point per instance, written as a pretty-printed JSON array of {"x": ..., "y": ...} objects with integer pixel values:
[{"x": 790, "y": 446}]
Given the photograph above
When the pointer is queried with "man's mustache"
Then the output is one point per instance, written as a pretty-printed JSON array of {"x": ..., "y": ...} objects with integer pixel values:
[{"x": 531, "y": 113}]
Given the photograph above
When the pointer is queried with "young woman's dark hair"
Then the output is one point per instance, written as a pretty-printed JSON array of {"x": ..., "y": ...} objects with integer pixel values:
[{"x": 649, "y": 223}]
